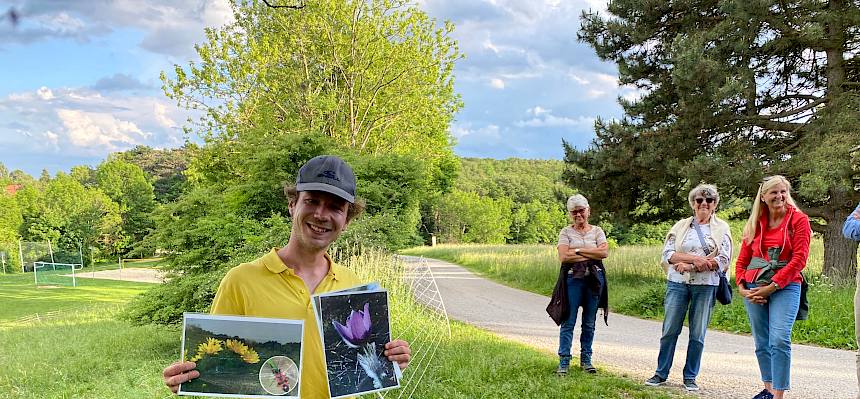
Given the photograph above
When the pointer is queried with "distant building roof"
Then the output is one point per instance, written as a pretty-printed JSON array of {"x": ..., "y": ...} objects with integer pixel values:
[{"x": 11, "y": 189}]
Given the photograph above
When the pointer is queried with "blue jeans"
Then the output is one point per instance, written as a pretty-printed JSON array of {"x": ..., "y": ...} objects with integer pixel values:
[
  {"x": 771, "y": 325},
  {"x": 699, "y": 299},
  {"x": 578, "y": 294}
]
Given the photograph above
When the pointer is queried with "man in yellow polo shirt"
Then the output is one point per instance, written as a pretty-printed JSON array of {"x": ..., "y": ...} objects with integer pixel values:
[{"x": 281, "y": 282}]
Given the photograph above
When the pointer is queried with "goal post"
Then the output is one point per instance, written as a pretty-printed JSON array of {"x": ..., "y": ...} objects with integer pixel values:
[{"x": 55, "y": 274}]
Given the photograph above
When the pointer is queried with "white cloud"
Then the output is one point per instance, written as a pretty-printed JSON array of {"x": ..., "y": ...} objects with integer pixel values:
[
  {"x": 497, "y": 83},
  {"x": 544, "y": 118},
  {"x": 537, "y": 110},
  {"x": 595, "y": 93},
  {"x": 490, "y": 131},
  {"x": 578, "y": 79},
  {"x": 607, "y": 80},
  {"x": 101, "y": 131},
  {"x": 488, "y": 44},
  {"x": 45, "y": 93},
  {"x": 160, "y": 114},
  {"x": 63, "y": 23},
  {"x": 82, "y": 122}
]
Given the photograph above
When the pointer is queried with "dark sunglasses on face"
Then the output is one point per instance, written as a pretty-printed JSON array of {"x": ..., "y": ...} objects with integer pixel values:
[
  {"x": 708, "y": 200},
  {"x": 578, "y": 211}
]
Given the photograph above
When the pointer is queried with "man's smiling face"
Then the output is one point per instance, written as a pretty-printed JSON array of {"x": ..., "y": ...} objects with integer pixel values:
[{"x": 318, "y": 219}]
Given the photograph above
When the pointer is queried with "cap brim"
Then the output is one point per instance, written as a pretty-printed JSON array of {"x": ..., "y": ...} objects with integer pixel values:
[{"x": 326, "y": 188}]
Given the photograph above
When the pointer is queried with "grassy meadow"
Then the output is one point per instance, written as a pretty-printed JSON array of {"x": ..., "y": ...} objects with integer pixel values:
[
  {"x": 88, "y": 351},
  {"x": 637, "y": 285}
]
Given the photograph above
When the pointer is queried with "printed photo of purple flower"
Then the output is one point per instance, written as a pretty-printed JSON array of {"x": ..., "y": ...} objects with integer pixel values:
[
  {"x": 357, "y": 328},
  {"x": 354, "y": 329}
]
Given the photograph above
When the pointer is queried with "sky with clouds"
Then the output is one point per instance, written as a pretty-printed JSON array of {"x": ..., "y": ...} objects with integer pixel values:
[{"x": 80, "y": 79}]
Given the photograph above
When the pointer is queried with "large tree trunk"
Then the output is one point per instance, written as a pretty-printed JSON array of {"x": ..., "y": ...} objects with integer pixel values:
[{"x": 840, "y": 254}]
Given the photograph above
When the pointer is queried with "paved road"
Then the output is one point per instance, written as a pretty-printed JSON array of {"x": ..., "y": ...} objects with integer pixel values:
[{"x": 629, "y": 345}]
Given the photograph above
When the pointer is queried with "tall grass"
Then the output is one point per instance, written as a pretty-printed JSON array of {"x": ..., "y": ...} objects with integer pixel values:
[
  {"x": 637, "y": 285},
  {"x": 87, "y": 352}
]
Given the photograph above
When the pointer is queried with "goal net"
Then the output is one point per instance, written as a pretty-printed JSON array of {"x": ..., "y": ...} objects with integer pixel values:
[{"x": 56, "y": 274}]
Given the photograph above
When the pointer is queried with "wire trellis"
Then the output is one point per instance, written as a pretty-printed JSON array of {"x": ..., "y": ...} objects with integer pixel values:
[{"x": 417, "y": 311}]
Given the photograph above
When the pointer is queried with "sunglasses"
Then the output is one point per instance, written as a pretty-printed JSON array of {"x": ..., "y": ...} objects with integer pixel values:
[
  {"x": 708, "y": 200},
  {"x": 578, "y": 211}
]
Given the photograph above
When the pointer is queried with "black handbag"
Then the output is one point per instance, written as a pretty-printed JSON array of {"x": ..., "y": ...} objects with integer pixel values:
[{"x": 724, "y": 290}]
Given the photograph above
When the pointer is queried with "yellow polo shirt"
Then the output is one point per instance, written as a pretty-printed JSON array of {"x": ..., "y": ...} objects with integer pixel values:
[{"x": 266, "y": 287}]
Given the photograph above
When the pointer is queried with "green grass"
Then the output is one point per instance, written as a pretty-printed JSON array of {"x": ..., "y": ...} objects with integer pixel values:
[
  {"x": 637, "y": 286},
  {"x": 477, "y": 364},
  {"x": 87, "y": 352},
  {"x": 20, "y": 297}
]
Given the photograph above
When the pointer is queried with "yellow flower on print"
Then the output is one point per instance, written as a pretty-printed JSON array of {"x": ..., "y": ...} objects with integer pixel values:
[
  {"x": 251, "y": 357},
  {"x": 236, "y": 346},
  {"x": 248, "y": 355},
  {"x": 211, "y": 347}
]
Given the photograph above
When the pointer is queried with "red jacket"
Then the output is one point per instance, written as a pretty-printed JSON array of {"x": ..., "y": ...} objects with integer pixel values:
[{"x": 795, "y": 249}]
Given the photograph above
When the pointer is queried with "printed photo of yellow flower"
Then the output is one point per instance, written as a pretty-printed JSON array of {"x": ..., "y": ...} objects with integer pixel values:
[{"x": 230, "y": 351}]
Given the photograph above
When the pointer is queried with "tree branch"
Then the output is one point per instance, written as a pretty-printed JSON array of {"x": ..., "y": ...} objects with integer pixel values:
[{"x": 817, "y": 227}]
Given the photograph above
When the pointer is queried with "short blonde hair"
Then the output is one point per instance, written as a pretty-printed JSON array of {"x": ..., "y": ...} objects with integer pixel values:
[
  {"x": 766, "y": 184},
  {"x": 576, "y": 200}
]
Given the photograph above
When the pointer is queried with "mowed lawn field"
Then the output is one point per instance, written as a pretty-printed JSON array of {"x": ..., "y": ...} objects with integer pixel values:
[
  {"x": 85, "y": 350},
  {"x": 637, "y": 286}
]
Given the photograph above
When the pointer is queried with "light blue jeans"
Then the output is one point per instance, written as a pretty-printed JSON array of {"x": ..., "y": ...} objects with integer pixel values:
[
  {"x": 578, "y": 294},
  {"x": 771, "y": 325},
  {"x": 681, "y": 298}
]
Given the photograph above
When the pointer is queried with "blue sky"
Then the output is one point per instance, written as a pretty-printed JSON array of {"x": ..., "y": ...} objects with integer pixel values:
[{"x": 81, "y": 78}]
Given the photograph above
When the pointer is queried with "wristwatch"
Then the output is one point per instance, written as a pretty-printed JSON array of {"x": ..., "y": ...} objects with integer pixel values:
[{"x": 775, "y": 284}]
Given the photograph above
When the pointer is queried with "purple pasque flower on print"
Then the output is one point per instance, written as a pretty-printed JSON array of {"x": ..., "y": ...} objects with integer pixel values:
[{"x": 357, "y": 328}]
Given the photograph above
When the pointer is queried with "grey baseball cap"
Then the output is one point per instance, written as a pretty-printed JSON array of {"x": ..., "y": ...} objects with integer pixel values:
[{"x": 330, "y": 174}]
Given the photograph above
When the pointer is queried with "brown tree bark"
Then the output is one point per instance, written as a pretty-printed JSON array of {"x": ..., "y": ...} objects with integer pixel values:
[{"x": 840, "y": 254}]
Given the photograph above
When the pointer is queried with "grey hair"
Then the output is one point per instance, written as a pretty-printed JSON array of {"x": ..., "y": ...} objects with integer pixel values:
[
  {"x": 576, "y": 200},
  {"x": 706, "y": 191}
]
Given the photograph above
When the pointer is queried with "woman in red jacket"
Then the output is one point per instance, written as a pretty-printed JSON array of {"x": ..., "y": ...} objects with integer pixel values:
[{"x": 773, "y": 252}]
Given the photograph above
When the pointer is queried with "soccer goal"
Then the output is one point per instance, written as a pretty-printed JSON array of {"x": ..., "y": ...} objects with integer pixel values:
[{"x": 56, "y": 274}]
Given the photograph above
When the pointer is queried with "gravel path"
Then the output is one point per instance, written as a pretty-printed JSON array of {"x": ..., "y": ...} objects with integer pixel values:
[
  {"x": 136, "y": 274},
  {"x": 628, "y": 346}
]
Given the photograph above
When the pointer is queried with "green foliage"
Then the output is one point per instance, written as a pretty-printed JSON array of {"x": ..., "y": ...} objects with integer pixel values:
[
  {"x": 200, "y": 231},
  {"x": 164, "y": 304},
  {"x": 644, "y": 234},
  {"x": 126, "y": 184},
  {"x": 163, "y": 167},
  {"x": 532, "y": 188},
  {"x": 465, "y": 217},
  {"x": 20, "y": 177},
  {"x": 387, "y": 229},
  {"x": 537, "y": 222},
  {"x": 69, "y": 215},
  {"x": 10, "y": 218},
  {"x": 521, "y": 180}
]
